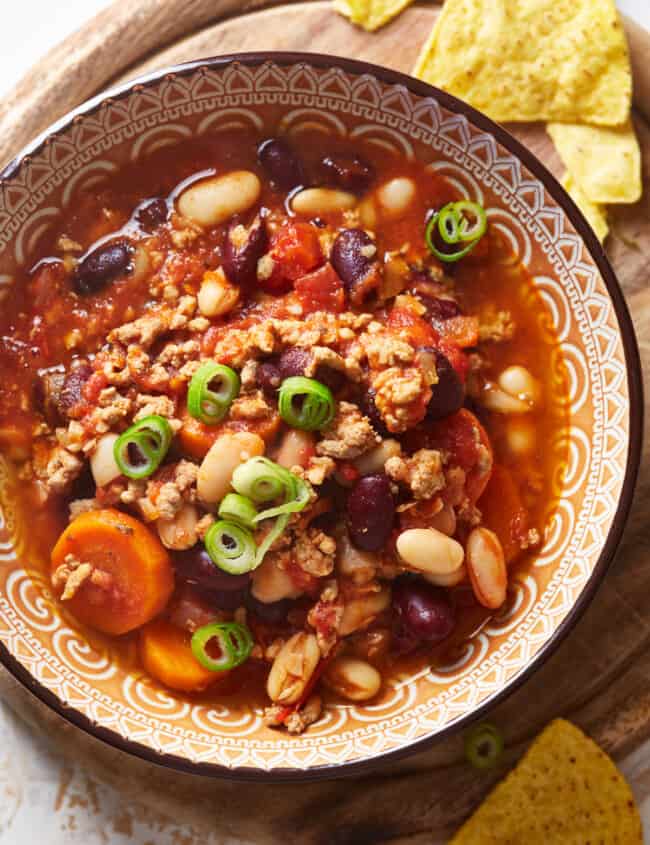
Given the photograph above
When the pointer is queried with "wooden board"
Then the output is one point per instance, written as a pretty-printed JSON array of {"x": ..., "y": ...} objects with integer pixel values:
[{"x": 599, "y": 677}]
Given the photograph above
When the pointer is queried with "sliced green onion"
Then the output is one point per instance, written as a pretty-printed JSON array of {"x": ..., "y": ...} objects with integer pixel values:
[
  {"x": 305, "y": 403},
  {"x": 141, "y": 449},
  {"x": 231, "y": 547},
  {"x": 462, "y": 222},
  {"x": 263, "y": 481},
  {"x": 239, "y": 509},
  {"x": 235, "y": 645},
  {"x": 211, "y": 392},
  {"x": 275, "y": 532},
  {"x": 483, "y": 746}
]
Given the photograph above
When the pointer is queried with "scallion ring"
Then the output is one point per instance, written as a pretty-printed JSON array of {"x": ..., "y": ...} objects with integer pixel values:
[
  {"x": 239, "y": 509},
  {"x": 141, "y": 449},
  {"x": 234, "y": 641},
  {"x": 211, "y": 392},
  {"x": 463, "y": 223},
  {"x": 231, "y": 547},
  {"x": 276, "y": 531},
  {"x": 483, "y": 746},
  {"x": 263, "y": 481},
  {"x": 305, "y": 403}
]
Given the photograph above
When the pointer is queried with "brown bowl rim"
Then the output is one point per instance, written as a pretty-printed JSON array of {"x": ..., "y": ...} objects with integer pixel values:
[{"x": 633, "y": 368}]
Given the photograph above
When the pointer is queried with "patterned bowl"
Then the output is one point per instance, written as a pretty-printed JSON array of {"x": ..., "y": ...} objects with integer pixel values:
[{"x": 600, "y": 446}]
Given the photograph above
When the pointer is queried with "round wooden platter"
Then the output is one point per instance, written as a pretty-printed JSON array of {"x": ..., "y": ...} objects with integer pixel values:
[{"x": 599, "y": 677}]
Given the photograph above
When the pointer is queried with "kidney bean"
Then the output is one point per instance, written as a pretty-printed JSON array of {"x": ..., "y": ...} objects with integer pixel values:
[
  {"x": 347, "y": 256},
  {"x": 196, "y": 567},
  {"x": 273, "y": 612},
  {"x": 281, "y": 163},
  {"x": 240, "y": 261},
  {"x": 268, "y": 377},
  {"x": 370, "y": 512},
  {"x": 71, "y": 393},
  {"x": 47, "y": 393},
  {"x": 423, "y": 612},
  {"x": 366, "y": 403},
  {"x": 103, "y": 265},
  {"x": 440, "y": 309},
  {"x": 349, "y": 172},
  {"x": 295, "y": 361},
  {"x": 448, "y": 395},
  {"x": 151, "y": 213}
]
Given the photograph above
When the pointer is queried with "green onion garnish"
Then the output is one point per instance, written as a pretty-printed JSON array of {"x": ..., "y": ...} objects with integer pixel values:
[
  {"x": 305, "y": 403},
  {"x": 211, "y": 392},
  {"x": 141, "y": 449},
  {"x": 462, "y": 222},
  {"x": 235, "y": 645},
  {"x": 238, "y": 509},
  {"x": 483, "y": 746},
  {"x": 263, "y": 481},
  {"x": 231, "y": 547}
]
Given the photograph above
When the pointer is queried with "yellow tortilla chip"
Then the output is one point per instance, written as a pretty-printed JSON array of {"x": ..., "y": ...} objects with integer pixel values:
[
  {"x": 595, "y": 213},
  {"x": 565, "y": 790},
  {"x": 605, "y": 162},
  {"x": 522, "y": 60},
  {"x": 370, "y": 14}
]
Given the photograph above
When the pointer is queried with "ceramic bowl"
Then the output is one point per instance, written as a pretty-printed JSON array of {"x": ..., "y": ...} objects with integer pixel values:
[{"x": 599, "y": 447}]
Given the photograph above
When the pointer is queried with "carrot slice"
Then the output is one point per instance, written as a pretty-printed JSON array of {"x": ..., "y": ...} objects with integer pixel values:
[
  {"x": 128, "y": 573},
  {"x": 196, "y": 438},
  {"x": 504, "y": 513},
  {"x": 166, "y": 655}
]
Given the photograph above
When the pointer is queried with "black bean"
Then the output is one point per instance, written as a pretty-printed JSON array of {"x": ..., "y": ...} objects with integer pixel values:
[
  {"x": 240, "y": 260},
  {"x": 448, "y": 394},
  {"x": 151, "y": 213},
  {"x": 348, "y": 172},
  {"x": 371, "y": 512},
  {"x": 347, "y": 256},
  {"x": 103, "y": 265},
  {"x": 281, "y": 163},
  {"x": 424, "y": 612}
]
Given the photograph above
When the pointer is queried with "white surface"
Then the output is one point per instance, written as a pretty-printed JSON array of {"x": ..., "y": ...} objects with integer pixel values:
[{"x": 43, "y": 799}]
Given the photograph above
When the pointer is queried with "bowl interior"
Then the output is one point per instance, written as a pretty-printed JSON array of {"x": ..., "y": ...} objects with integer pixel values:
[{"x": 97, "y": 686}]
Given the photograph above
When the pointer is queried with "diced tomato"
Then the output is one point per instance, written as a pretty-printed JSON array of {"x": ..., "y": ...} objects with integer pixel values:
[
  {"x": 93, "y": 387},
  {"x": 504, "y": 512},
  {"x": 348, "y": 472},
  {"x": 419, "y": 331},
  {"x": 460, "y": 435},
  {"x": 295, "y": 250},
  {"x": 321, "y": 290}
]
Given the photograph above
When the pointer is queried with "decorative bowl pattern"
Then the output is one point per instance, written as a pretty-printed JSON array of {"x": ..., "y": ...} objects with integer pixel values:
[{"x": 88, "y": 684}]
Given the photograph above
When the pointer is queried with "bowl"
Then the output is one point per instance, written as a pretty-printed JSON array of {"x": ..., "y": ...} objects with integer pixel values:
[{"x": 598, "y": 451}]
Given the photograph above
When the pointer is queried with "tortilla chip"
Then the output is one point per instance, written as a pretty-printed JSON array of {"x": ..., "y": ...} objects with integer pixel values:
[
  {"x": 370, "y": 14},
  {"x": 565, "y": 790},
  {"x": 522, "y": 60},
  {"x": 595, "y": 213},
  {"x": 604, "y": 162}
]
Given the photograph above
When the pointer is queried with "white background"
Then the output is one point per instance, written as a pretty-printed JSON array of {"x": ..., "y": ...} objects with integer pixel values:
[{"x": 43, "y": 799}]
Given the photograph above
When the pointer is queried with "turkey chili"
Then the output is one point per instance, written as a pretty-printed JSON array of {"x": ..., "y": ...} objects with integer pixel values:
[{"x": 279, "y": 411}]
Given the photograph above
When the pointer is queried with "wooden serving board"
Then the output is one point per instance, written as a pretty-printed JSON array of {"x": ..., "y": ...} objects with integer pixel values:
[{"x": 600, "y": 675}]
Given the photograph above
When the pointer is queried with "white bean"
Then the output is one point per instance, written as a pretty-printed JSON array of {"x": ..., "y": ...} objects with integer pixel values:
[
  {"x": 216, "y": 295},
  {"x": 352, "y": 678},
  {"x": 374, "y": 460},
  {"x": 270, "y": 583},
  {"x": 395, "y": 196},
  {"x": 296, "y": 449},
  {"x": 180, "y": 532},
  {"x": 430, "y": 551},
  {"x": 225, "y": 455},
  {"x": 518, "y": 381},
  {"x": 486, "y": 567},
  {"x": 102, "y": 461},
  {"x": 292, "y": 668},
  {"x": 214, "y": 200},
  {"x": 316, "y": 201},
  {"x": 497, "y": 400},
  {"x": 450, "y": 580},
  {"x": 359, "y": 612},
  {"x": 520, "y": 436},
  {"x": 361, "y": 567}
]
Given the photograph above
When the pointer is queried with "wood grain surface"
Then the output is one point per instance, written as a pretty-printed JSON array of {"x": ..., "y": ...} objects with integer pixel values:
[{"x": 600, "y": 675}]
